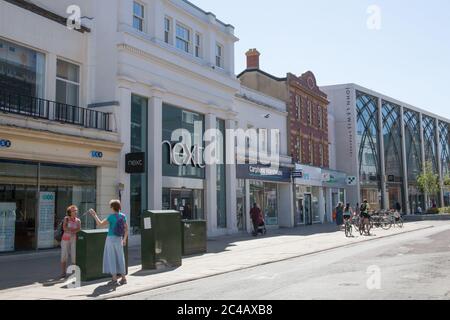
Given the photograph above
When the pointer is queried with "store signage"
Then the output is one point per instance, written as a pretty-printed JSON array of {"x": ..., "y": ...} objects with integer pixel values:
[
  {"x": 351, "y": 181},
  {"x": 5, "y": 143},
  {"x": 297, "y": 174},
  {"x": 259, "y": 172},
  {"x": 46, "y": 220},
  {"x": 311, "y": 176},
  {"x": 96, "y": 154},
  {"x": 7, "y": 226},
  {"x": 135, "y": 162},
  {"x": 181, "y": 154}
]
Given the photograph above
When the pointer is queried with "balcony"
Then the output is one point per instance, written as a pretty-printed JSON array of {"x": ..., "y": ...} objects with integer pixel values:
[{"x": 15, "y": 103}]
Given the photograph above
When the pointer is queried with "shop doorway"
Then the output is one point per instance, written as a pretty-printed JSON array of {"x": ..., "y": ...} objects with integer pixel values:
[
  {"x": 187, "y": 201},
  {"x": 308, "y": 209},
  {"x": 395, "y": 196}
]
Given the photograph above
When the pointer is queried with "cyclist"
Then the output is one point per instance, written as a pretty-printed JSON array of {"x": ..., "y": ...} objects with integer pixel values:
[
  {"x": 365, "y": 216},
  {"x": 348, "y": 212}
]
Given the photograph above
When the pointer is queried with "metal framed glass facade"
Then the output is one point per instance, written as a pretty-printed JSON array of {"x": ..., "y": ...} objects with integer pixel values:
[
  {"x": 444, "y": 139},
  {"x": 413, "y": 144},
  {"x": 429, "y": 136},
  {"x": 368, "y": 146},
  {"x": 392, "y": 135}
]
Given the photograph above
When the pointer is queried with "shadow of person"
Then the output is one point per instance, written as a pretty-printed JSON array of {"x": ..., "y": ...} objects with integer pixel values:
[
  {"x": 53, "y": 282},
  {"x": 103, "y": 290}
]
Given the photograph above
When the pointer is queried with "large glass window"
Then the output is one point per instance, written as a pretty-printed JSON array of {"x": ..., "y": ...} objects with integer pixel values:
[
  {"x": 34, "y": 198},
  {"x": 413, "y": 144},
  {"x": 139, "y": 133},
  {"x": 368, "y": 145},
  {"x": 265, "y": 195},
  {"x": 429, "y": 136},
  {"x": 175, "y": 118},
  {"x": 444, "y": 137},
  {"x": 22, "y": 70},
  {"x": 67, "y": 83}
]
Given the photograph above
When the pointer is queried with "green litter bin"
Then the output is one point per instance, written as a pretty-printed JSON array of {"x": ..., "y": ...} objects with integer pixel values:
[
  {"x": 89, "y": 254},
  {"x": 194, "y": 237},
  {"x": 161, "y": 241}
]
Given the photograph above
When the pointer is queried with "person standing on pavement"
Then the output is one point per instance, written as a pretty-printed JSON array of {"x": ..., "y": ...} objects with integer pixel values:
[
  {"x": 340, "y": 214},
  {"x": 257, "y": 218},
  {"x": 71, "y": 226},
  {"x": 113, "y": 255}
]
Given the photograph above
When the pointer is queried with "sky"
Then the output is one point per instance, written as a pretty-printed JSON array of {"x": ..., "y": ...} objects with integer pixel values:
[{"x": 405, "y": 53}]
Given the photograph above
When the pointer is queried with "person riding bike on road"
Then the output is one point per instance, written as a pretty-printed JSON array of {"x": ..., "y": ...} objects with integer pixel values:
[{"x": 365, "y": 216}]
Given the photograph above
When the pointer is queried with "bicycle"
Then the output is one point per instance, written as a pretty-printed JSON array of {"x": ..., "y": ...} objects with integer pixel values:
[
  {"x": 365, "y": 226},
  {"x": 348, "y": 228}
]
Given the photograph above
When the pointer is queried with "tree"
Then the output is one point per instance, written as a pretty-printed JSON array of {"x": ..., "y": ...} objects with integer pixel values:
[{"x": 428, "y": 181}]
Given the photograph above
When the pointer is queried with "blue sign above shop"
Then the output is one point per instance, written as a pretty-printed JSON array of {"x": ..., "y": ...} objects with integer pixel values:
[
  {"x": 265, "y": 173},
  {"x": 96, "y": 154},
  {"x": 5, "y": 143}
]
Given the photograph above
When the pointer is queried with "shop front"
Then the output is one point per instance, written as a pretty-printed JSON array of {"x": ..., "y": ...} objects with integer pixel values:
[
  {"x": 266, "y": 187},
  {"x": 317, "y": 192},
  {"x": 334, "y": 183},
  {"x": 37, "y": 187}
]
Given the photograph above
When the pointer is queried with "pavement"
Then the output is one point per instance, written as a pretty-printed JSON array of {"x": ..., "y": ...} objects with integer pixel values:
[
  {"x": 31, "y": 276},
  {"x": 409, "y": 266}
]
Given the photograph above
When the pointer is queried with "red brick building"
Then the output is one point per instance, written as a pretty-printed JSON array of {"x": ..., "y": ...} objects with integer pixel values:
[{"x": 307, "y": 106}]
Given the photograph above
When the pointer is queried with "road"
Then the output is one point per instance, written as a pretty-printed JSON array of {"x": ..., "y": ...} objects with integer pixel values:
[{"x": 415, "y": 265}]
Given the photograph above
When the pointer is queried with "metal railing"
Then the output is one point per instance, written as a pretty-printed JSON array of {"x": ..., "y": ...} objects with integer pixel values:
[{"x": 13, "y": 102}]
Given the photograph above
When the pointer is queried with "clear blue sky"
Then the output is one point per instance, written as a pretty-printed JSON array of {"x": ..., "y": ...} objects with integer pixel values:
[{"x": 408, "y": 59}]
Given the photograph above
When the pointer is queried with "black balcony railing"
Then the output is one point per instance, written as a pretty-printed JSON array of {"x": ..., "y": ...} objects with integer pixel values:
[{"x": 12, "y": 102}]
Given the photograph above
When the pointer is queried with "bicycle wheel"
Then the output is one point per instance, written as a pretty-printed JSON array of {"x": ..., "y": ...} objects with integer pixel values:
[
  {"x": 355, "y": 224},
  {"x": 346, "y": 231},
  {"x": 386, "y": 224},
  {"x": 399, "y": 223}
]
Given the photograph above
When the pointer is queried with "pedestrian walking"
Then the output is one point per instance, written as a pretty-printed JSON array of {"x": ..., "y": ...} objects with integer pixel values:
[
  {"x": 113, "y": 255},
  {"x": 257, "y": 219},
  {"x": 71, "y": 226}
]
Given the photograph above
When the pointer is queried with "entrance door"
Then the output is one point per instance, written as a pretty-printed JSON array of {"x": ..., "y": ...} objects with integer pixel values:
[
  {"x": 308, "y": 209},
  {"x": 300, "y": 212},
  {"x": 182, "y": 200},
  {"x": 240, "y": 212}
]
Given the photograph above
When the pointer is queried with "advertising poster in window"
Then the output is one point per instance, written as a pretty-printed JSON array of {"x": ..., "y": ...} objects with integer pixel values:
[
  {"x": 7, "y": 226},
  {"x": 46, "y": 220}
]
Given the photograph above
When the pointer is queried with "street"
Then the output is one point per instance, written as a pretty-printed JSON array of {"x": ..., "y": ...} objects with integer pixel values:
[{"x": 414, "y": 265}]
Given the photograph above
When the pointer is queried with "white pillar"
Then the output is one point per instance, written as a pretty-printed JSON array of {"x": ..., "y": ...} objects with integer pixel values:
[
  {"x": 125, "y": 13},
  {"x": 329, "y": 201},
  {"x": 405, "y": 163},
  {"x": 322, "y": 204},
  {"x": 154, "y": 159},
  {"x": 211, "y": 183},
  {"x": 384, "y": 200},
  {"x": 124, "y": 128},
  {"x": 50, "y": 83},
  {"x": 230, "y": 179}
]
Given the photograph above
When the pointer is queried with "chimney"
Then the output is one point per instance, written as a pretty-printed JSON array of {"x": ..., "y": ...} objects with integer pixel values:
[{"x": 252, "y": 59}]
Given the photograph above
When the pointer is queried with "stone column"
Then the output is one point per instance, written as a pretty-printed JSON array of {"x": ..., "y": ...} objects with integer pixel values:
[
  {"x": 211, "y": 183},
  {"x": 154, "y": 158},
  {"x": 230, "y": 178},
  {"x": 123, "y": 113}
]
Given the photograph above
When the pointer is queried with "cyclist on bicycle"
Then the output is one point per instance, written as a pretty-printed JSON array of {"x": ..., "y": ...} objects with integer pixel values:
[
  {"x": 365, "y": 216},
  {"x": 348, "y": 212}
]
